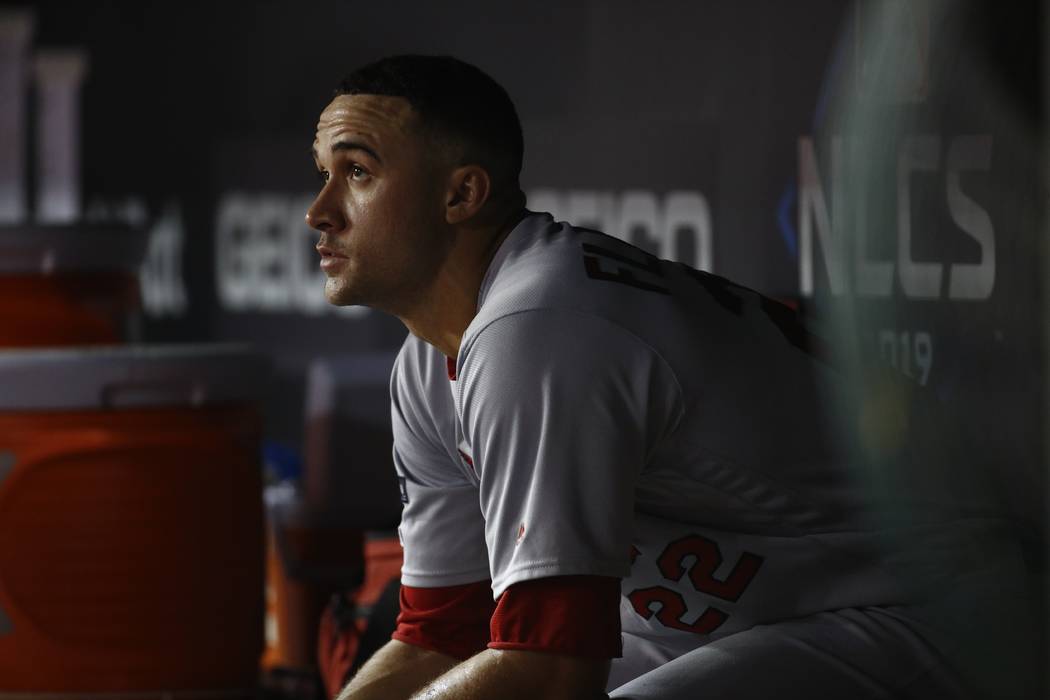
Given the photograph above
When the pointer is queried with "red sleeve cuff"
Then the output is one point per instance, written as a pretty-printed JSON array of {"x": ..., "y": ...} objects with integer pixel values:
[
  {"x": 572, "y": 615},
  {"x": 452, "y": 620}
]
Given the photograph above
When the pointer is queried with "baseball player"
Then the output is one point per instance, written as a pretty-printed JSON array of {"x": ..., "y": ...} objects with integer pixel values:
[{"x": 619, "y": 474}]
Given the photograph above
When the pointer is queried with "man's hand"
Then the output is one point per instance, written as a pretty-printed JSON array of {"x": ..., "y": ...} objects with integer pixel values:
[
  {"x": 524, "y": 675},
  {"x": 395, "y": 671}
]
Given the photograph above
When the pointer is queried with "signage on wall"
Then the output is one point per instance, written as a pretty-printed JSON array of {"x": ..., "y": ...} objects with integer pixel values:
[
  {"x": 893, "y": 217},
  {"x": 822, "y": 222}
]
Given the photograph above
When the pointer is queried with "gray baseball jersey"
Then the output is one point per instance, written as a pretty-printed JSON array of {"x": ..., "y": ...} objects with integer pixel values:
[{"x": 618, "y": 415}]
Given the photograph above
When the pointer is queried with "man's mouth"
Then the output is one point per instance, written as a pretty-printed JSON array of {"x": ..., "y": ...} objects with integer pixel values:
[{"x": 330, "y": 257}]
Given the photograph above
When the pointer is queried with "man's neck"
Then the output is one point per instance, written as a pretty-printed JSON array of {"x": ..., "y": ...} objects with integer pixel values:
[{"x": 442, "y": 316}]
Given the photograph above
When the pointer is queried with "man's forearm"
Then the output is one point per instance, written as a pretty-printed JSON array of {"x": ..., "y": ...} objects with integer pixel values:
[
  {"x": 520, "y": 675},
  {"x": 395, "y": 672}
]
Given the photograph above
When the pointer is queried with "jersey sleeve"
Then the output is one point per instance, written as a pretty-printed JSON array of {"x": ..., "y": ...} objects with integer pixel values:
[
  {"x": 441, "y": 530},
  {"x": 562, "y": 410}
]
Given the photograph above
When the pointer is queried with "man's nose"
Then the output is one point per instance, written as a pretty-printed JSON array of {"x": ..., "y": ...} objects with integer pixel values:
[{"x": 325, "y": 214}]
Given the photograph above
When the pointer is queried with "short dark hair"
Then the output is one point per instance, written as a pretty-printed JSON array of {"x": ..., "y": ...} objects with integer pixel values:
[{"x": 456, "y": 101}]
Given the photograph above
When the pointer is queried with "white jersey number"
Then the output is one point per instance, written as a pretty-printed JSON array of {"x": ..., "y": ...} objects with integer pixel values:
[{"x": 672, "y": 609}]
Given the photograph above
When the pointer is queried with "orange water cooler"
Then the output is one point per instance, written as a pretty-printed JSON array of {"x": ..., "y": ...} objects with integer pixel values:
[
  {"x": 131, "y": 533},
  {"x": 66, "y": 285}
]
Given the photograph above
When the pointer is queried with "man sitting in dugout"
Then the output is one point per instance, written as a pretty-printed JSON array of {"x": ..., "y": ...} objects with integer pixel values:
[{"x": 619, "y": 474}]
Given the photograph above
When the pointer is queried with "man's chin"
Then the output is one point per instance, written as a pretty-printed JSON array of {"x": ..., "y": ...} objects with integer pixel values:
[
  {"x": 341, "y": 296},
  {"x": 345, "y": 295}
]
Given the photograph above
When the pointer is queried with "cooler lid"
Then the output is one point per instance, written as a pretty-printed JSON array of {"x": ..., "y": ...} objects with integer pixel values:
[
  {"x": 130, "y": 376},
  {"x": 46, "y": 249}
]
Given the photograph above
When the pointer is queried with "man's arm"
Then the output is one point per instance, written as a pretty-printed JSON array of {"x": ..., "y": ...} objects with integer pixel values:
[
  {"x": 395, "y": 672},
  {"x": 520, "y": 675}
]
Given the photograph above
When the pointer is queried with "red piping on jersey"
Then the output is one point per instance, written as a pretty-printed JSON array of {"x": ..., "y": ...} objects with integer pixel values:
[
  {"x": 468, "y": 460},
  {"x": 451, "y": 364},
  {"x": 572, "y": 615},
  {"x": 452, "y": 620}
]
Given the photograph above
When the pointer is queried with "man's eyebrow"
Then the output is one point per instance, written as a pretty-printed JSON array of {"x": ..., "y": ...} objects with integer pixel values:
[{"x": 355, "y": 146}]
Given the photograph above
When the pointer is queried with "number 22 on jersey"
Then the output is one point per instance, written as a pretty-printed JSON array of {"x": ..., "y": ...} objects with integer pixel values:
[{"x": 671, "y": 606}]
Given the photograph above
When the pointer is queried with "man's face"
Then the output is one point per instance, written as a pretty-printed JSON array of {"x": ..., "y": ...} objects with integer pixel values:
[{"x": 381, "y": 207}]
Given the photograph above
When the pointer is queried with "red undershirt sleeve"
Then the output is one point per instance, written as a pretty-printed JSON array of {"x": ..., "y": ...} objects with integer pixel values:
[
  {"x": 452, "y": 620},
  {"x": 571, "y": 615}
]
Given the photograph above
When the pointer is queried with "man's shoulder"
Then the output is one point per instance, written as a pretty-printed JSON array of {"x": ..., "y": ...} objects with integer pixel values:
[
  {"x": 529, "y": 260},
  {"x": 418, "y": 367},
  {"x": 539, "y": 268},
  {"x": 411, "y": 356}
]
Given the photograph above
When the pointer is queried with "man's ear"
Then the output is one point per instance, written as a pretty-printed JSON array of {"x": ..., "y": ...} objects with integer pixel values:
[{"x": 469, "y": 187}]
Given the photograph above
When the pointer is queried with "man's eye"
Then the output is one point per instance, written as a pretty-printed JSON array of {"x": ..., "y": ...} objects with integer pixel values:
[
  {"x": 358, "y": 173},
  {"x": 323, "y": 174}
]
